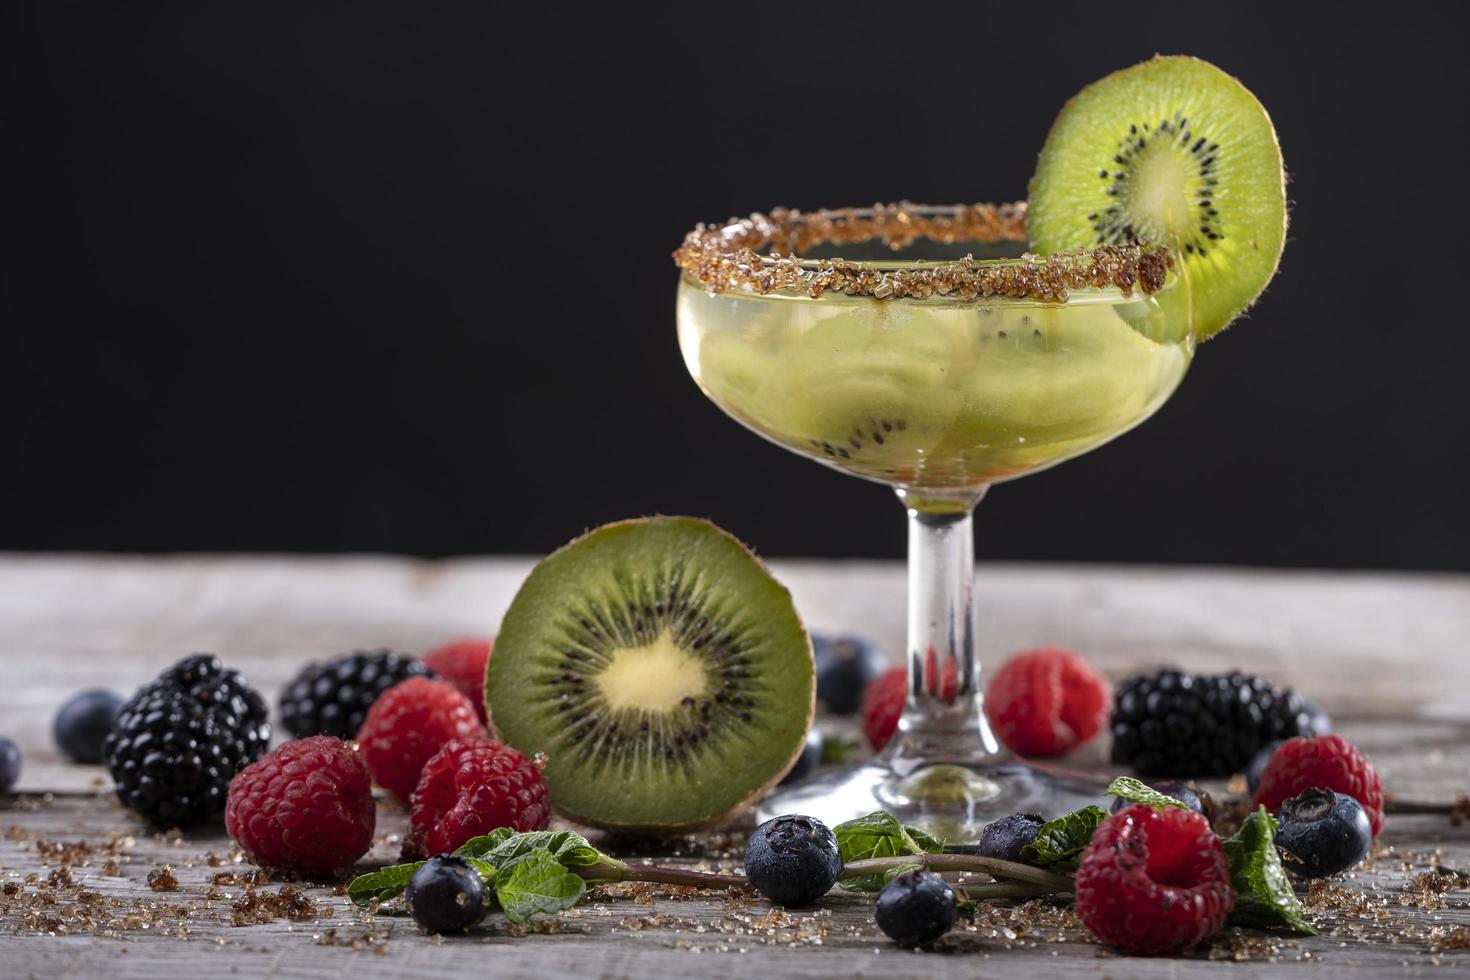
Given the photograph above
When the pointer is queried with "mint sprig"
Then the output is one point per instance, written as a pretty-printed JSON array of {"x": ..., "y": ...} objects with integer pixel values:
[
  {"x": 879, "y": 835},
  {"x": 1137, "y": 791},
  {"x": 1263, "y": 894},
  {"x": 546, "y": 872},
  {"x": 1059, "y": 843},
  {"x": 877, "y": 847},
  {"x": 491, "y": 854}
]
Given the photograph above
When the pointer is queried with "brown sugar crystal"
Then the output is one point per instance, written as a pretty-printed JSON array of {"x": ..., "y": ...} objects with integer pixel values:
[
  {"x": 730, "y": 256},
  {"x": 163, "y": 879}
]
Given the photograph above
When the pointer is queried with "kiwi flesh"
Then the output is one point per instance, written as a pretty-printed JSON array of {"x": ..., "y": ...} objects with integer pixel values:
[
  {"x": 936, "y": 396},
  {"x": 661, "y": 669},
  {"x": 861, "y": 387},
  {"x": 1172, "y": 150}
]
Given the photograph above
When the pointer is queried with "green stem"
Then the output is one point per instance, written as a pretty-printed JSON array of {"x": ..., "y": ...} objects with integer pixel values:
[
  {"x": 966, "y": 862},
  {"x": 1006, "y": 889},
  {"x": 611, "y": 871},
  {"x": 1024, "y": 880}
]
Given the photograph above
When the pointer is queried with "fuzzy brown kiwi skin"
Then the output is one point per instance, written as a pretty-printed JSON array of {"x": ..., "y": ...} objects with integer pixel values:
[
  {"x": 714, "y": 821},
  {"x": 1070, "y": 105}
]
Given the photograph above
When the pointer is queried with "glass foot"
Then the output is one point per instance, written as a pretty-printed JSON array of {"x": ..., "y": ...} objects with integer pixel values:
[{"x": 951, "y": 801}]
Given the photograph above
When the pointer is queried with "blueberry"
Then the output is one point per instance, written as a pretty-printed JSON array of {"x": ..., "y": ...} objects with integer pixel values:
[
  {"x": 1005, "y": 837},
  {"x": 792, "y": 860},
  {"x": 845, "y": 666},
  {"x": 1307, "y": 716},
  {"x": 916, "y": 907},
  {"x": 9, "y": 764},
  {"x": 1257, "y": 765},
  {"x": 1171, "y": 788},
  {"x": 810, "y": 756},
  {"x": 1323, "y": 832},
  {"x": 446, "y": 895},
  {"x": 83, "y": 723}
]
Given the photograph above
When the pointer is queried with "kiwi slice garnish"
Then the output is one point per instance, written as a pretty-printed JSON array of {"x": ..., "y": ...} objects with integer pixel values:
[
  {"x": 1172, "y": 150},
  {"x": 661, "y": 669}
]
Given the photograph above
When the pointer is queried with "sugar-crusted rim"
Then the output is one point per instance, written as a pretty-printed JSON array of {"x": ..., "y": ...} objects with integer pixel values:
[{"x": 747, "y": 254}]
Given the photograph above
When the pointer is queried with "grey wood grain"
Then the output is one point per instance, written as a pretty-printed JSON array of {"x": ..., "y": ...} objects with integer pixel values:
[{"x": 1385, "y": 654}]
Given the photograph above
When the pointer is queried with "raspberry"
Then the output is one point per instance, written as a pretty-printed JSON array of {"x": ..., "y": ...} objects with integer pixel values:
[
  {"x": 1321, "y": 762},
  {"x": 883, "y": 699},
  {"x": 306, "y": 807},
  {"x": 470, "y": 787},
  {"x": 407, "y": 725},
  {"x": 882, "y": 706},
  {"x": 1046, "y": 702},
  {"x": 948, "y": 687},
  {"x": 462, "y": 663},
  {"x": 1154, "y": 881}
]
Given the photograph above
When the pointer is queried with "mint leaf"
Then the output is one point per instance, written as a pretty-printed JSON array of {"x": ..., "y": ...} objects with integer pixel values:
[
  {"x": 536, "y": 882},
  {"x": 1263, "y": 894},
  {"x": 1136, "y": 791},
  {"x": 1059, "y": 843},
  {"x": 381, "y": 885},
  {"x": 485, "y": 842},
  {"x": 503, "y": 845},
  {"x": 487, "y": 871},
  {"x": 927, "y": 842},
  {"x": 878, "y": 835}
]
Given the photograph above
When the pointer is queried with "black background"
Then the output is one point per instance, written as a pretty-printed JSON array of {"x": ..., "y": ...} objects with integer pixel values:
[{"x": 396, "y": 277}]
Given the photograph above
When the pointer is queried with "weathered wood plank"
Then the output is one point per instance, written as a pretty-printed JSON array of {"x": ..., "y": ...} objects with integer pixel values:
[
  {"x": 1364, "y": 645},
  {"x": 656, "y": 936},
  {"x": 1383, "y": 653}
]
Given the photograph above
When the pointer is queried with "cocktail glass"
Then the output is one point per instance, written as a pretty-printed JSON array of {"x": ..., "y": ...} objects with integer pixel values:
[{"x": 938, "y": 376}]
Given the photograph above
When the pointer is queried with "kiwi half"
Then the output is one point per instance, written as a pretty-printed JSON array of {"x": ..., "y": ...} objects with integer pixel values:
[
  {"x": 661, "y": 669},
  {"x": 1172, "y": 150}
]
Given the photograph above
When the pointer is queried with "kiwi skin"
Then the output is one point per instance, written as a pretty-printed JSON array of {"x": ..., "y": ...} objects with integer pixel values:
[
  {"x": 1215, "y": 296},
  {"x": 714, "y": 818}
]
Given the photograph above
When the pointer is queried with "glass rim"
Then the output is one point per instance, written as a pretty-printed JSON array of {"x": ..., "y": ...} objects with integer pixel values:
[{"x": 763, "y": 253}]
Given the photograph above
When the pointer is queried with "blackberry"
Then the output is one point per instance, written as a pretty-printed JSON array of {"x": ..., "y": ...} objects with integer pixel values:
[
  {"x": 179, "y": 740},
  {"x": 1177, "y": 724},
  {"x": 332, "y": 698}
]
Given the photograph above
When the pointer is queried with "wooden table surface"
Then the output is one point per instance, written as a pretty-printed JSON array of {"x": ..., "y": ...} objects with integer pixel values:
[{"x": 1386, "y": 655}]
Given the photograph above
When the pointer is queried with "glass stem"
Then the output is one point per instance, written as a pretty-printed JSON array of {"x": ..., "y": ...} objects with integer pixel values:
[{"x": 942, "y": 719}]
